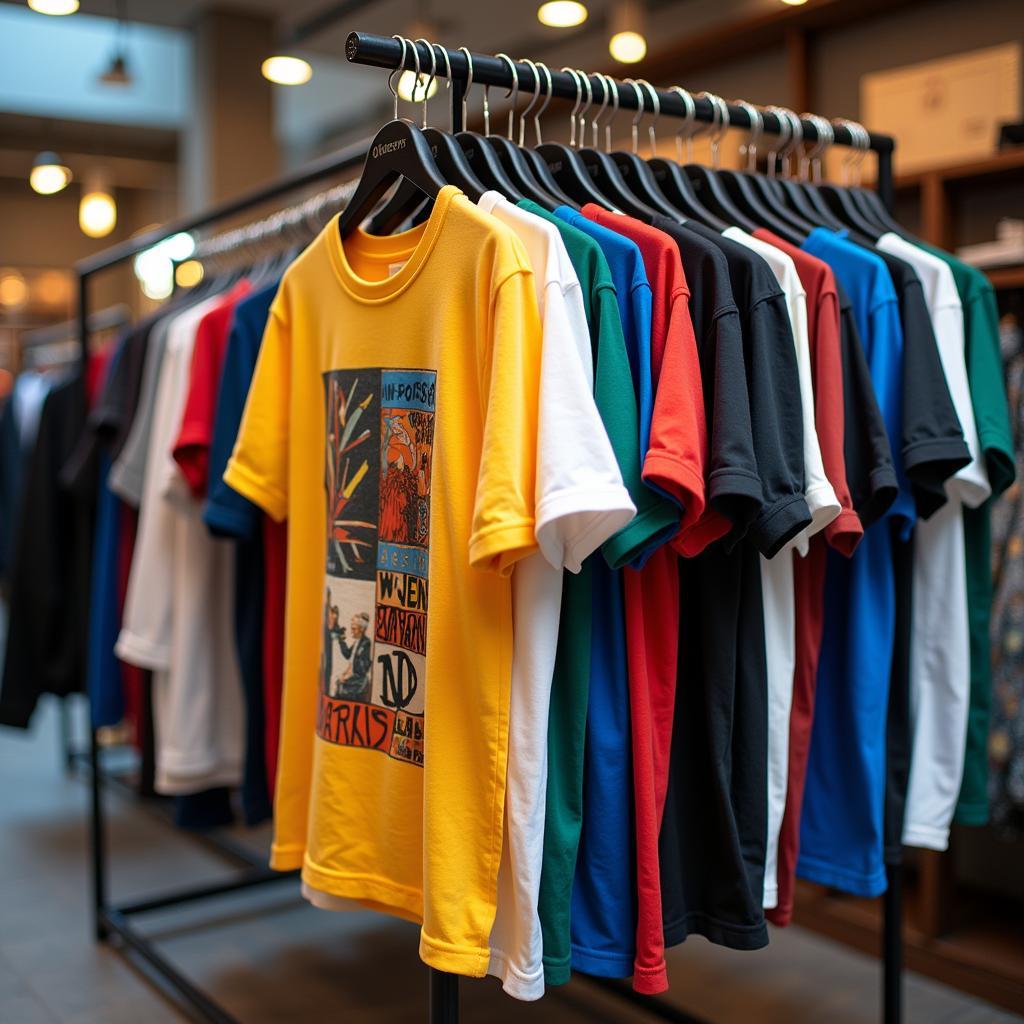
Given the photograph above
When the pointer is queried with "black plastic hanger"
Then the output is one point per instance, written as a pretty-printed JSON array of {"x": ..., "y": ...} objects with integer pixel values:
[
  {"x": 450, "y": 159},
  {"x": 673, "y": 183},
  {"x": 564, "y": 162},
  {"x": 635, "y": 173}
]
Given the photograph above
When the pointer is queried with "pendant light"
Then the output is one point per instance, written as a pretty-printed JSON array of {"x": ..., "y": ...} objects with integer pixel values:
[
  {"x": 628, "y": 44},
  {"x": 97, "y": 211},
  {"x": 57, "y": 8},
  {"x": 562, "y": 13},
  {"x": 48, "y": 175}
]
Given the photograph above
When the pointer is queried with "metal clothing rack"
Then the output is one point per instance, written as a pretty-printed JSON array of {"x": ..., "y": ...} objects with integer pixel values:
[{"x": 118, "y": 919}]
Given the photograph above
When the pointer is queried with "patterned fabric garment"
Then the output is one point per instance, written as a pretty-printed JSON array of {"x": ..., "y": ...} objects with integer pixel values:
[{"x": 1006, "y": 740}]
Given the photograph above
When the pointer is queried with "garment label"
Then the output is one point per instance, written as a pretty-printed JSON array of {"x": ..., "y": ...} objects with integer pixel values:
[{"x": 394, "y": 268}]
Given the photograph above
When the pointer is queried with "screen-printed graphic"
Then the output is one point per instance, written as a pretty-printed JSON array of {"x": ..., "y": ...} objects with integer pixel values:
[{"x": 379, "y": 447}]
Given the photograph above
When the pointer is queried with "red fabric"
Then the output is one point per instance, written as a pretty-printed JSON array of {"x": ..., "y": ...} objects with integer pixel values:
[
  {"x": 96, "y": 373},
  {"x": 675, "y": 464},
  {"x": 132, "y": 677},
  {"x": 192, "y": 448},
  {"x": 843, "y": 534},
  {"x": 275, "y": 556}
]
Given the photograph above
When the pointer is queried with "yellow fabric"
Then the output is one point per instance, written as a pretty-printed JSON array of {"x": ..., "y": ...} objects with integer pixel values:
[{"x": 397, "y": 382}]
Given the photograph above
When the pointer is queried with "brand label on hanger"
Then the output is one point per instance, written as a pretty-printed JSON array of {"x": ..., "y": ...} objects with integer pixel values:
[{"x": 383, "y": 148}]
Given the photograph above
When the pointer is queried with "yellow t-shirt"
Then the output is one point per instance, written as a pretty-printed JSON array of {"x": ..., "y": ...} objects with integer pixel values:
[{"x": 392, "y": 419}]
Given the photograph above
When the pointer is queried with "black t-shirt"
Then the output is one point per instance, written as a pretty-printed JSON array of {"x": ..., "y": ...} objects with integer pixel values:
[
  {"x": 733, "y": 484},
  {"x": 49, "y": 582},
  {"x": 714, "y": 833}
]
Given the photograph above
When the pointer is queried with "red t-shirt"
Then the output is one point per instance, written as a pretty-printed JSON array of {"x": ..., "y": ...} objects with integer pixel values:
[
  {"x": 192, "y": 447},
  {"x": 675, "y": 464},
  {"x": 842, "y": 534},
  {"x": 275, "y": 565}
]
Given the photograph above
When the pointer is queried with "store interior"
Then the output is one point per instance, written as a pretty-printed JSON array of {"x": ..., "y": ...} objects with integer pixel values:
[{"x": 148, "y": 148}]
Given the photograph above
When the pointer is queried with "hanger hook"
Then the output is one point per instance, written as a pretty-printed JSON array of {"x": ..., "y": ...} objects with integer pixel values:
[
  {"x": 532, "y": 65},
  {"x": 688, "y": 124},
  {"x": 575, "y": 107},
  {"x": 469, "y": 82},
  {"x": 656, "y": 111},
  {"x": 547, "y": 99},
  {"x": 605, "y": 96},
  {"x": 513, "y": 91},
  {"x": 588, "y": 103},
  {"x": 448, "y": 82},
  {"x": 810, "y": 161},
  {"x": 719, "y": 124},
  {"x": 634, "y": 125},
  {"x": 390, "y": 79},
  {"x": 614, "y": 86},
  {"x": 433, "y": 75},
  {"x": 784, "y": 133},
  {"x": 859, "y": 144},
  {"x": 796, "y": 139},
  {"x": 748, "y": 150}
]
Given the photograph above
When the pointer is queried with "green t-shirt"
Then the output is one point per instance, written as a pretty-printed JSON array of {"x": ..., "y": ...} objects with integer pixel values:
[{"x": 988, "y": 397}]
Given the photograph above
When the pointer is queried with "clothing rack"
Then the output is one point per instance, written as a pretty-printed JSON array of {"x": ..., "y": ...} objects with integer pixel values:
[{"x": 110, "y": 919}]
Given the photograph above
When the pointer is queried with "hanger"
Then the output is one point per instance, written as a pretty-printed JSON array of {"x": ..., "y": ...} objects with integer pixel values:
[
  {"x": 809, "y": 173},
  {"x": 564, "y": 162},
  {"x": 674, "y": 184},
  {"x": 636, "y": 173},
  {"x": 397, "y": 151},
  {"x": 795, "y": 206},
  {"x": 541, "y": 171},
  {"x": 705, "y": 180},
  {"x": 743, "y": 188},
  {"x": 840, "y": 198},
  {"x": 408, "y": 202},
  {"x": 510, "y": 155},
  {"x": 870, "y": 201},
  {"x": 481, "y": 156}
]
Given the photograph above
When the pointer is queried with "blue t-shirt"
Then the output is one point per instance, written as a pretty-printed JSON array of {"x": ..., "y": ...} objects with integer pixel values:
[
  {"x": 227, "y": 514},
  {"x": 842, "y": 826}
]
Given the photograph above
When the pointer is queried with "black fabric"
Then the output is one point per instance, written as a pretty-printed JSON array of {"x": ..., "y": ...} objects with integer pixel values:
[
  {"x": 207, "y": 809},
  {"x": 12, "y": 466},
  {"x": 713, "y": 836},
  {"x": 773, "y": 388},
  {"x": 733, "y": 484},
  {"x": 867, "y": 456},
  {"x": 49, "y": 613}
]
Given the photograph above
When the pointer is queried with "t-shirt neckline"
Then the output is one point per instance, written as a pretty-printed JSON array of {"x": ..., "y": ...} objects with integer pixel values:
[{"x": 412, "y": 248}]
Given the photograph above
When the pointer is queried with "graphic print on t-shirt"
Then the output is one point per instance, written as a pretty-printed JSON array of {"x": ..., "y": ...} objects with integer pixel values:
[{"x": 379, "y": 445}]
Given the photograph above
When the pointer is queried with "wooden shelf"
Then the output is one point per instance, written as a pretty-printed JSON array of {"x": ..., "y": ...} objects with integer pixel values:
[
  {"x": 1009, "y": 163},
  {"x": 1006, "y": 278}
]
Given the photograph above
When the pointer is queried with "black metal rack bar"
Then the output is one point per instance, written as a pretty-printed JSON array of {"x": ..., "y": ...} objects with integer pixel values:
[{"x": 385, "y": 52}]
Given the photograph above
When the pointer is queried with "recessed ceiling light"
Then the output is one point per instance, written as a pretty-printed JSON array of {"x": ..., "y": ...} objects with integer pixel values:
[
  {"x": 55, "y": 7},
  {"x": 97, "y": 214},
  {"x": 562, "y": 13},
  {"x": 48, "y": 174},
  {"x": 283, "y": 70}
]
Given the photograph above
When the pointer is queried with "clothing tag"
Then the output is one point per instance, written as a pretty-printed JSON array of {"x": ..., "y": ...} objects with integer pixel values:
[{"x": 394, "y": 268}]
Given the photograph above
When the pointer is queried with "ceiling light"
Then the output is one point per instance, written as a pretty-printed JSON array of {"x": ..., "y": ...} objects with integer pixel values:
[
  {"x": 97, "y": 214},
  {"x": 562, "y": 13},
  {"x": 13, "y": 290},
  {"x": 48, "y": 174},
  {"x": 794, "y": 3},
  {"x": 284, "y": 70},
  {"x": 188, "y": 274},
  {"x": 412, "y": 91},
  {"x": 117, "y": 73},
  {"x": 627, "y": 44},
  {"x": 55, "y": 7}
]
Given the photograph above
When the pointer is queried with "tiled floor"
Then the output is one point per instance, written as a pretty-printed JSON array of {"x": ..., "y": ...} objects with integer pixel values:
[{"x": 268, "y": 957}]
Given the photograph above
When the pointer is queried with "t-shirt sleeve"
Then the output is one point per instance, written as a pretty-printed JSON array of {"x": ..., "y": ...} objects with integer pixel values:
[
  {"x": 258, "y": 467},
  {"x": 227, "y": 513},
  {"x": 776, "y": 418},
  {"x": 677, "y": 453},
  {"x": 581, "y": 499},
  {"x": 504, "y": 510},
  {"x": 933, "y": 442},
  {"x": 191, "y": 449},
  {"x": 657, "y": 518}
]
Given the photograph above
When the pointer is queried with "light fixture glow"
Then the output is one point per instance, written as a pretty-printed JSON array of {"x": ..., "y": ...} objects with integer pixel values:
[
  {"x": 562, "y": 13},
  {"x": 178, "y": 247},
  {"x": 13, "y": 290},
  {"x": 627, "y": 44},
  {"x": 48, "y": 174},
  {"x": 412, "y": 91},
  {"x": 627, "y": 47},
  {"x": 284, "y": 70},
  {"x": 58, "y": 8},
  {"x": 794, "y": 3},
  {"x": 188, "y": 274},
  {"x": 97, "y": 214}
]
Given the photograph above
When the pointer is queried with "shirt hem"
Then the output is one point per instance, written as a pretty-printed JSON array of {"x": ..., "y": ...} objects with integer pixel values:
[
  {"x": 854, "y": 882},
  {"x": 843, "y": 534},
  {"x": 608, "y": 510},
  {"x": 525, "y": 985},
  {"x": 399, "y": 900},
  {"x": 241, "y": 479},
  {"x": 926, "y": 837},
  {"x": 780, "y": 523},
  {"x": 136, "y": 650},
  {"x": 227, "y": 522},
  {"x": 678, "y": 479},
  {"x": 499, "y": 547},
  {"x": 601, "y": 963},
  {"x": 722, "y": 933},
  {"x": 638, "y": 538}
]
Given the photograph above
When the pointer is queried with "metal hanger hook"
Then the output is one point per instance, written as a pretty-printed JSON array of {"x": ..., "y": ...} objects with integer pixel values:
[
  {"x": 634, "y": 127},
  {"x": 796, "y": 136},
  {"x": 397, "y": 70},
  {"x": 575, "y": 107},
  {"x": 719, "y": 124},
  {"x": 748, "y": 151},
  {"x": 810, "y": 163},
  {"x": 587, "y": 104},
  {"x": 656, "y": 112},
  {"x": 433, "y": 75},
  {"x": 513, "y": 92},
  {"x": 532, "y": 65},
  {"x": 605, "y": 96},
  {"x": 860, "y": 143},
  {"x": 689, "y": 124},
  {"x": 783, "y": 136},
  {"x": 469, "y": 81},
  {"x": 547, "y": 99},
  {"x": 448, "y": 83},
  {"x": 614, "y": 86}
]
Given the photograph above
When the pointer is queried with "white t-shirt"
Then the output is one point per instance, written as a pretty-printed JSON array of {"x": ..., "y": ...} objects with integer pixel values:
[
  {"x": 777, "y": 584},
  {"x": 580, "y": 502},
  {"x": 179, "y": 607},
  {"x": 940, "y": 673}
]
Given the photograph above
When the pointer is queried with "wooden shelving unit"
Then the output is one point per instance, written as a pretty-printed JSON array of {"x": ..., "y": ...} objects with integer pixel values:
[{"x": 952, "y": 932}]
